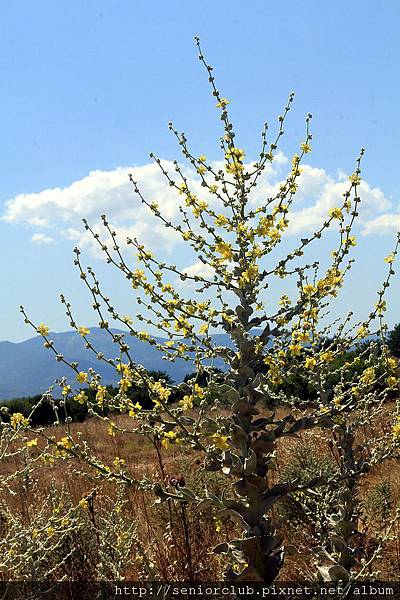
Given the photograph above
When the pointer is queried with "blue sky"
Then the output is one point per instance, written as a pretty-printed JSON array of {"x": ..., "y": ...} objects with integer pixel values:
[{"x": 89, "y": 86}]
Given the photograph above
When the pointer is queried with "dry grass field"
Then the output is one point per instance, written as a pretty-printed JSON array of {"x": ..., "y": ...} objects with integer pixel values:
[{"x": 172, "y": 541}]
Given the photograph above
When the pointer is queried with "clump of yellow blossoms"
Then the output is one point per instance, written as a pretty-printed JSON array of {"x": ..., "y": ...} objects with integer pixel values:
[
  {"x": 396, "y": 429},
  {"x": 42, "y": 329},
  {"x": 18, "y": 420},
  {"x": 220, "y": 441},
  {"x": 83, "y": 331}
]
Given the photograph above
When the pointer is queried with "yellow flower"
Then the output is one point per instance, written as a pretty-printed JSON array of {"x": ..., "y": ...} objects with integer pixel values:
[
  {"x": 235, "y": 168},
  {"x": 309, "y": 289},
  {"x": 220, "y": 441},
  {"x": 295, "y": 349},
  {"x": 198, "y": 391},
  {"x": 380, "y": 307},
  {"x": 396, "y": 429},
  {"x": 123, "y": 368},
  {"x": 392, "y": 363},
  {"x": 81, "y": 397},
  {"x": 301, "y": 336},
  {"x": 355, "y": 179},
  {"x": 389, "y": 259},
  {"x": 368, "y": 376},
  {"x": 223, "y": 103},
  {"x": 101, "y": 394},
  {"x": 186, "y": 403},
  {"x": 143, "y": 335},
  {"x": 169, "y": 437},
  {"x": 83, "y": 503},
  {"x": 82, "y": 377},
  {"x": 235, "y": 154},
  {"x": 336, "y": 213},
  {"x": 161, "y": 392},
  {"x": 66, "y": 390},
  {"x": 310, "y": 363},
  {"x": 221, "y": 220},
  {"x": 351, "y": 241},
  {"x": 249, "y": 275},
  {"x": 50, "y": 531},
  {"x": 42, "y": 329},
  {"x": 65, "y": 442},
  {"x": 274, "y": 235},
  {"x": 362, "y": 332},
  {"x": 127, "y": 319},
  {"x": 18, "y": 419},
  {"x": 305, "y": 147},
  {"x": 264, "y": 225},
  {"x": 218, "y": 525},
  {"x": 202, "y": 206},
  {"x": 224, "y": 249},
  {"x": 124, "y": 384},
  {"x": 284, "y": 300},
  {"x": 83, "y": 331},
  {"x": 118, "y": 462},
  {"x": 32, "y": 443},
  {"x": 203, "y": 328},
  {"x": 327, "y": 356},
  {"x": 392, "y": 382},
  {"x": 134, "y": 409},
  {"x": 138, "y": 277}
]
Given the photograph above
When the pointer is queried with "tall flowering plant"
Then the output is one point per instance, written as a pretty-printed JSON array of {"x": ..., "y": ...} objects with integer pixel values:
[{"x": 237, "y": 243}]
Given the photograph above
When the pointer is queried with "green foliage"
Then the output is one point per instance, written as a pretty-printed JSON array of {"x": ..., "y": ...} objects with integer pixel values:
[
  {"x": 379, "y": 502},
  {"x": 141, "y": 394},
  {"x": 297, "y": 384},
  {"x": 203, "y": 377},
  {"x": 302, "y": 509},
  {"x": 393, "y": 341},
  {"x": 41, "y": 410}
]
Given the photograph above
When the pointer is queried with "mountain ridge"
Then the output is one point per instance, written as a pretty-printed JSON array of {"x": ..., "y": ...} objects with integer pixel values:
[{"x": 27, "y": 368}]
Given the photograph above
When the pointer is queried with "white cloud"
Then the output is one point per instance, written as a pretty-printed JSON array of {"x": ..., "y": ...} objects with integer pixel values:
[
  {"x": 41, "y": 238},
  {"x": 387, "y": 223},
  {"x": 60, "y": 210},
  {"x": 317, "y": 193},
  {"x": 199, "y": 269},
  {"x": 325, "y": 193}
]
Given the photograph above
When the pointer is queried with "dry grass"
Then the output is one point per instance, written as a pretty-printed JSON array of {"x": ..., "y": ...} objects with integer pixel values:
[{"x": 174, "y": 541}]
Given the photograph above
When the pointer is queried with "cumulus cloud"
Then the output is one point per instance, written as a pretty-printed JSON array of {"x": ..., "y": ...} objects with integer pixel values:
[
  {"x": 199, "y": 269},
  {"x": 318, "y": 191},
  {"x": 59, "y": 210},
  {"x": 41, "y": 238},
  {"x": 386, "y": 223}
]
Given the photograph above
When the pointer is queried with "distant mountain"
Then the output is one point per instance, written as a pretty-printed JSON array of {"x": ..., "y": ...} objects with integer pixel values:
[{"x": 27, "y": 368}]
